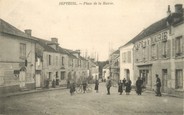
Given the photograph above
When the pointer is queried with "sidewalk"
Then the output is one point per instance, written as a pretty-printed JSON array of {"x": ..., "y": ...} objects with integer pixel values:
[
  {"x": 164, "y": 94},
  {"x": 31, "y": 91}
]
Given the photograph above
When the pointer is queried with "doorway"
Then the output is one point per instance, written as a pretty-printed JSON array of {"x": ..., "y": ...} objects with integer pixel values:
[{"x": 22, "y": 78}]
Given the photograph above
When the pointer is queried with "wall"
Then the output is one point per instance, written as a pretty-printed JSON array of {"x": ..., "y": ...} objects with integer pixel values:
[
  {"x": 10, "y": 60},
  {"x": 125, "y": 65}
]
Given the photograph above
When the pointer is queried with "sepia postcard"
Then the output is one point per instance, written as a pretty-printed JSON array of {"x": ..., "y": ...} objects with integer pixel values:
[{"x": 91, "y": 57}]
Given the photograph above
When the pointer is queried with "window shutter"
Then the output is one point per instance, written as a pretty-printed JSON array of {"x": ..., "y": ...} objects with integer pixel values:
[
  {"x": 183, "y": 43},
  {"x": 168, "y": 53},
  {"x": 160, "y": 48},
  {"x": 173, "y": 48}
]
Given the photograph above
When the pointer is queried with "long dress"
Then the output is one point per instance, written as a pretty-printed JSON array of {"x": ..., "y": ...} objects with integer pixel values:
[
  {"x": 120, "y": 87},
  {"x": 139, "y": 86},
  {"x": 128, "y": 86}
]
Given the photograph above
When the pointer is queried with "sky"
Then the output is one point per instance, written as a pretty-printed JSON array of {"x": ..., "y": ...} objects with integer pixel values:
[{"x": 91, "y": 28}]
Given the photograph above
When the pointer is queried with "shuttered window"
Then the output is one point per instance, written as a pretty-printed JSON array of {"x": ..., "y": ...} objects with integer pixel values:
[
  {"x": 179, "y": 79},
  {"x": 49, "y": 60},
  {"x": 164, "y": 49},
  {"x": 22, "y": 51},
  {"x": 178, "y": 46},
  {"x": 129, "y": 56},
  {"x": 153, "y": 51}
]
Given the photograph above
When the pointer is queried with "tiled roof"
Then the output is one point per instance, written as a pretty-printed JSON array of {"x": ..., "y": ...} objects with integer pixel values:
[
  {"x": 106, "y": 66},
  {"x": 43, "y": 43},
  {"x": 153, "y": 28},
  {"x": 157, "y": 26},
  {"x": 9, "y": 29},
  {"x": 68, "y": 51},
  {"x": 116, "y": 52}
]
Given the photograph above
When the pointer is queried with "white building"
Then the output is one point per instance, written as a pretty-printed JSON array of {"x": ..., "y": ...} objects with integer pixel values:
[
  {"x": 126, "y": 62},
  {"x": 106, "y": 71}
]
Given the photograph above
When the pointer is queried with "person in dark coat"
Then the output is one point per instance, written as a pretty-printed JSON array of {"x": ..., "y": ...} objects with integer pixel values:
[
  {"x": 108, "y": 85},
  {"x": 120, "y": 87},
  {"x": 128, "y": 86},
  {"x": 72, "y": 88},
  {"x": 84, "y": 84},
  {"x": 124, "y": 81},
  {"x": 96, "y": 85},
  {"x": 139, "y": 83},
  {"x": 158, "y": 86}
]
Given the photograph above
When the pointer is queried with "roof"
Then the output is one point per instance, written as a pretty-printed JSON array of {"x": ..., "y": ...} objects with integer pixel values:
[
  {"x": 116, "y": 52},
  {"x": 68, "y": 51},
  {"x": 43, "y": 43},
  {"x": 157, "y": 26},
  {"x": 153, "y": 28},
  {"x": 106, "y": 66},
  {"x": 9, "y": 29}
]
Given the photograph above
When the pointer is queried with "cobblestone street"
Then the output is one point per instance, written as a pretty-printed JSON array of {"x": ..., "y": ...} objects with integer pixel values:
[{"x": 59, "y": 102}]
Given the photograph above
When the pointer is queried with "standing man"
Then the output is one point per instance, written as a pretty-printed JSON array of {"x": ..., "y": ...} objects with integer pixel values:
[
  {"x": 139, "y": 83},
  {"x": 158, "y": 85},
  {"x": 96, "y": 85},
  {"x": 84, "y": 84},
  {"x": 108, "y": 85}
]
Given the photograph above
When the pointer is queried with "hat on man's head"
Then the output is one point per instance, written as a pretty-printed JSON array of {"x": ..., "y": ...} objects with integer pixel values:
[{"x": 156, "y": 75}]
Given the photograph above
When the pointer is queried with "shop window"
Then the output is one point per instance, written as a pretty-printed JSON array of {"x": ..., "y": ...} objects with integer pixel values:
[
  {"x": 179, "y": 79},
  {"x": 62, "y": 75}
]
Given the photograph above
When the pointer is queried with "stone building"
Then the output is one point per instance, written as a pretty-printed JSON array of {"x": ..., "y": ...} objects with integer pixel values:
[
  {"x": 159, "y": 49},
  {"x": 17, "y": 59},
  {"x": 114, "y": 65}
]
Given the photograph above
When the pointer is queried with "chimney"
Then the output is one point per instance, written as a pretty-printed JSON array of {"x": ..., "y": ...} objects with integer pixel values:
[
  {"x": 78, "y": 51},
  {"x": 28, "y": 32},
  {"x": 54, "y": 40},
  {"x": 179, "y": 9},
  {"x": 168, "y": 10}
]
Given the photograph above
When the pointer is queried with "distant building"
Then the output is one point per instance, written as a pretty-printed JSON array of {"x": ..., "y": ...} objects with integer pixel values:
[
  {"x": 93, "y": 69},
  {"x": 106, "y": 71},
  {"x": 114, "y": 65}
]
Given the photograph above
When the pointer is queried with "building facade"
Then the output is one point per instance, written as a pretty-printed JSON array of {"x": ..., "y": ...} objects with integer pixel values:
[
  {"x": 17, "y": 59},
  {"x": 126, "y": 62},
  {"x": 159, "y": 49},
  {"x": 114, "y": 65}
]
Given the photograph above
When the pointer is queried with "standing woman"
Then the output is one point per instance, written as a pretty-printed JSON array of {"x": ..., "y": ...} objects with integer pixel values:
[
  {"x": 96, "y": 85},
  {"x": 72, "y": 88},
  {"x": 128, "y": 86},
  {"x": 120, "y": 87}
]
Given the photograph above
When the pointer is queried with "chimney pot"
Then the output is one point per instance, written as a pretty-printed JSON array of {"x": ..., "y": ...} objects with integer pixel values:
[
  {"x": 178, "y": 8},
  {"x": 28, "y": 31},
  {"x": 55, "y": 40}
]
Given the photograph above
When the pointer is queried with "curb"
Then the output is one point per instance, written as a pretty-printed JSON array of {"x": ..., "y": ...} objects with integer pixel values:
[
  {"x": 31, "y": 91},
  {"x": 165, "y": 94}
]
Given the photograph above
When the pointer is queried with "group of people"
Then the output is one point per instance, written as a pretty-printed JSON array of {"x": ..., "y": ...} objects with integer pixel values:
[
  {"x": 84, "y": 84},
  {"x": 126, "y": 85},
  {"x": 122, "y": 84}
]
